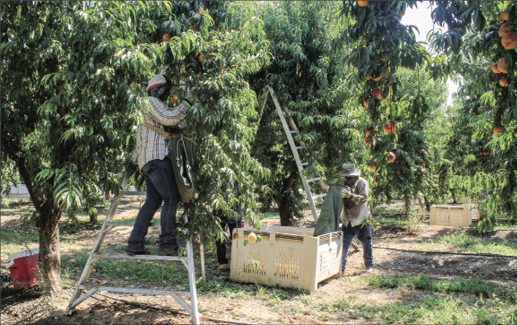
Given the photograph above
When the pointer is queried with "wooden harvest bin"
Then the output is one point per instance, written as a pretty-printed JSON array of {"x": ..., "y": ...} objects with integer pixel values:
[
  {"x": 451, "y": 215},
  {"x": 287, "y": 256}
]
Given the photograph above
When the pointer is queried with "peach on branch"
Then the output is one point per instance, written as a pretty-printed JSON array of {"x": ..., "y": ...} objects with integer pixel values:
[
  {"x": 377, "y": 93},
  {"x": 495, "y": 69},
  {"x": 166, "y": 37},
  {"x": 505, "y": 28},
  {"x": 503, "y": 82},
  {"x": 502, "y": 66},
  {"x": 391, "y": 157},
  {"x": 363, "y": 3},
  {"x": 498, "y": 129},
  {"x": 390, "y": 127},
  {"x": 509, "y": 40},
  {"x": 503, "y": 16}
]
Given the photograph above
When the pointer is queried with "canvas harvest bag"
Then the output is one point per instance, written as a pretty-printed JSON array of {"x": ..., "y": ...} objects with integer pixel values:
[{"x": 182, "y": 151}]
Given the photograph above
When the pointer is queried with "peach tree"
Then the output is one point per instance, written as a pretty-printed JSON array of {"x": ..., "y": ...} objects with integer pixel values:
[
  {"x": 485, "y": 58},
  {"x": 71, "y": 92},
  {"x": 307, "y": 79}
]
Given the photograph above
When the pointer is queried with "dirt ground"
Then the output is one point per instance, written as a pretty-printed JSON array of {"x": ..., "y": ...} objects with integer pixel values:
[{"x": 29, "y": 306}]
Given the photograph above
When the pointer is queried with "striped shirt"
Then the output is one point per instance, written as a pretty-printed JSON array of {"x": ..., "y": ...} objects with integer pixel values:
[{"x": 151, "y": 145}]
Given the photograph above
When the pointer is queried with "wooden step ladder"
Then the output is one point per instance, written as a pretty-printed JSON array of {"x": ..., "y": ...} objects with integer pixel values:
[
  {"x": 290, "y": 128},
  {"x": 84, "y": 291}
]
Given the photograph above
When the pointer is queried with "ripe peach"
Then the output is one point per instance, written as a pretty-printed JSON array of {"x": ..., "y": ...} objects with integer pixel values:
[
  {"x": 377, "y": 93},
  {"x": 366, "y": 103},
  {"x": 503, "y": 82},
  {"x": 498, "y": 129},
  {"x": 390, "y": 127},
  {"x": 502, "y": 66},
  {"x": 201, "y": 58},
  {"x": 166, "y": 37},
  {"x": 495, "y": 69},
  {"x": 509, "y": 40},
  {"x": 363, "y": 3},
  {"x": 391, "y": 157},
  {"x": 505, "y": 28},
  {"x": 503, "y": 16}
]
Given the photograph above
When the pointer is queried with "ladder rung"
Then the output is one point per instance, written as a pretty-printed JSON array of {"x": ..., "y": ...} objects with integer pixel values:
[
  {"x": 135, "y": 290},
  {"x": 130, "y": 224},
  {"x": 140, "y": 257},
  {"x": 305, "y": 164},
  {"x": 313, "y": 179},
  {"x": 293, "y": 132},
  {"x": 288, "y": 116},
  {"x": 298, "y": 148},
  {"x": 319, "y": 196},
  {"x": 132, "y": 193}
]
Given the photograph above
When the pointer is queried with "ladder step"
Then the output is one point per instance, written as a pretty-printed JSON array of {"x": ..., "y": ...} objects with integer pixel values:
[
  {"x": 298, "y": 148},
  {"x": 133, "y": 193},
  {"x": 313, "y": 179},
  {"x": 135, "y": 290},
  {"x": 305, "y": 164},
  {"x": 129, "y": 224},
  {"x": 319, "y": 196},
  {"x": 293, "y": 132},
  {"x": 140, "y": 257}
]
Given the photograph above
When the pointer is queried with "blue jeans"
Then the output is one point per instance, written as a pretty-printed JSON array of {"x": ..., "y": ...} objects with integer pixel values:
[
  {"x": 364, "y": 234},
  {"x": 161, "y": 187}
]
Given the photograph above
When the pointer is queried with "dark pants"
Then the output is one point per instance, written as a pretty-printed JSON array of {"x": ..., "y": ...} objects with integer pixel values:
[
  {"x": 364, "y": 234},
  {"x": 221, "y": 245},
  {"x": 161, "y": 187}
]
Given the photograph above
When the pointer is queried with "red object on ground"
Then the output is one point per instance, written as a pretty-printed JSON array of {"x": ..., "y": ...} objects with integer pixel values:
[{"x": 24, "y": 268}]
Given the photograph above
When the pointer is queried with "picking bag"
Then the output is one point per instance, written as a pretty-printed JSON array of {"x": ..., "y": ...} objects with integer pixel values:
[{"x": 182, "y": 152}]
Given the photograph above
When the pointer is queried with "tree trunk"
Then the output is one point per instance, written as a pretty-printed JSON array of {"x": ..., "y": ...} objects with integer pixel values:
[
  {"x": 285, "y": 212},
  {"x": 94, "y": 218},
  {"x": 48, "y": 226},
  {"x": 407, "y": 204},
  {"x": 286, "y": 218},
  {"x": 50, "y": 256},
  {"x": 427, "y": 204},
  {"x": 453, "y": 197}
]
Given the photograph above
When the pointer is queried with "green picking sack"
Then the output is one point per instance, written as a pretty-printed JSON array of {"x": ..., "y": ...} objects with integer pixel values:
[{"x": 182, "y": 152}]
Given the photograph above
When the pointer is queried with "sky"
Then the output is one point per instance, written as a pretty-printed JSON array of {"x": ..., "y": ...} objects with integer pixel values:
[{"x": 421, "y": 18}]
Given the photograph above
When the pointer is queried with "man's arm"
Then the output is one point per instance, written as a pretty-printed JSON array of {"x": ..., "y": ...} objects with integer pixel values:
[
  {"x": 163, "y": 115},
  {"x": 361, "y": 196}
]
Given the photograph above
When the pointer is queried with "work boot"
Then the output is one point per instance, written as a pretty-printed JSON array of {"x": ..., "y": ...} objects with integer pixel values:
[
  {"x": 222, "y": 268},
  {"x": 170, "y": 252},
  {"x": 368, "y": 269},
  {"x": 133, "y": 252}
]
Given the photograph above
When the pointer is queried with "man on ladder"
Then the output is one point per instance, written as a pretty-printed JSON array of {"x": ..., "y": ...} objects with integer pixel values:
[{"x": 152, "y": 150}]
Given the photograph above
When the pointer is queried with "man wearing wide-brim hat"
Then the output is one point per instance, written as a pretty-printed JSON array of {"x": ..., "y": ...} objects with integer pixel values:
[{"x": 355, "y": 211}]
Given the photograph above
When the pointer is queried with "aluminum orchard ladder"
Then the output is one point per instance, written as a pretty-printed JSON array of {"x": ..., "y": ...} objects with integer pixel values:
[
  {"x": 284, "y": 115},
  {"x": 95, "y": 255}
]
